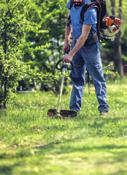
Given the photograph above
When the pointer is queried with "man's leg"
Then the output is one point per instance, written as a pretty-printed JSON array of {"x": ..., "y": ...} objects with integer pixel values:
[
  {"x": 94, "y": 66},
  {"x": 78, "y": 78}
]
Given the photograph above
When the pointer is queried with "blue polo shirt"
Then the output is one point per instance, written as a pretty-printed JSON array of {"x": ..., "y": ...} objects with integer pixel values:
[{"x": 90, "y": 18}]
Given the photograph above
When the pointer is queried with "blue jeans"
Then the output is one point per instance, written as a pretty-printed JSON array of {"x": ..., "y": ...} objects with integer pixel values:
[{"x": 88, "y": 57}]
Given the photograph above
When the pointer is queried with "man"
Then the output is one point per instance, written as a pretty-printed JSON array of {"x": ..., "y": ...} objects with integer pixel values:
[{"x": 85, "y": 53}]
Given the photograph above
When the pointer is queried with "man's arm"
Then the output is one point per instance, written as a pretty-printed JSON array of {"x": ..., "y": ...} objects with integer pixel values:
[
  {"x": 67, "y": 33},
  {"x": 80, "y": 42},
  {"x": 82, "y": 39}
]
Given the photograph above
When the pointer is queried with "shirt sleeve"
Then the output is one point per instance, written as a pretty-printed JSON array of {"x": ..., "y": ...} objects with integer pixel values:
[{"x": 90, "y": 17}]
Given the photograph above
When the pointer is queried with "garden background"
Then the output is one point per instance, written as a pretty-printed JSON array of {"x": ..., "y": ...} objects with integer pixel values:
[{"x": 31, "y": 41}]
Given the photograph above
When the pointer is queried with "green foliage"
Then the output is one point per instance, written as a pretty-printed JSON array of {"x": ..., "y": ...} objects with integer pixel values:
[
  {"x": 51, "y": 82},
  {"x": 31, "y": 40},
  {"x": 12, "y": 38},
  {"x": 44, "y": 41}
]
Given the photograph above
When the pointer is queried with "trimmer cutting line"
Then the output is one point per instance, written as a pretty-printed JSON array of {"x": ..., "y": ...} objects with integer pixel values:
[{"x": 63, "y": 67}]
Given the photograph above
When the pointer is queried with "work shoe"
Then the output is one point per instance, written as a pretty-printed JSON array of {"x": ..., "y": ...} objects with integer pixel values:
[{"x": 103, "y": 113}]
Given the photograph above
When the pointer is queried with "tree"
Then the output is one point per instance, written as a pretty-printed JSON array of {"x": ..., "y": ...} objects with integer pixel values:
[
  {"x": 117, "y": 48},
  {"x": 44, "y": 42},
  {"x": 12, "y": 40}
]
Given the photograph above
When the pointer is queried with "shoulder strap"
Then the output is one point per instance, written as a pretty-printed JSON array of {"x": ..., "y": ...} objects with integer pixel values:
[
  {"x": 71, "y": 4},
  {"x": 89, "y": 6}
]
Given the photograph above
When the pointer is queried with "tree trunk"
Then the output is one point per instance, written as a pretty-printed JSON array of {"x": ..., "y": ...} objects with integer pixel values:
[
  {"x": 113, "y": 7},
  {"x": 117, "y": 50}
]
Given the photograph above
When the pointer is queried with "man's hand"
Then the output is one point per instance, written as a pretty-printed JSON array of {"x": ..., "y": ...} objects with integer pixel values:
[{"x": 67, "y": 58}]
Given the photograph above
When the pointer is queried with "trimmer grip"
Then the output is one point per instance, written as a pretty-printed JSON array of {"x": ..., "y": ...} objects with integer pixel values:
[{"x": 61, "y": 64}]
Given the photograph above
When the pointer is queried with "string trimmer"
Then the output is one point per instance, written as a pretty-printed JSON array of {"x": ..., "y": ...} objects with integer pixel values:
[{"x": 63, "y": 67}]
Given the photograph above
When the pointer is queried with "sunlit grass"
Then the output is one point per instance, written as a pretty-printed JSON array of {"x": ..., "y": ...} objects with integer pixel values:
[{"x": 32, "y": 143}]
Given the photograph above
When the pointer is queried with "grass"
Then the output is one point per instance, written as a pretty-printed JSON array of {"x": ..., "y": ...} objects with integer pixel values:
[{"x": 33, "y": 144}]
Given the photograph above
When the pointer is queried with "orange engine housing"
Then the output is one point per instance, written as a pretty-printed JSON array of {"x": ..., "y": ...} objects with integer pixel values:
[{"x": 110, "y": 21}]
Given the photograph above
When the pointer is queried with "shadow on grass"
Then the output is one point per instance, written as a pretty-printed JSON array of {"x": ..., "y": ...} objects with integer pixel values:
[
  {"x": 7, "y": 169},
  {"x": 66, "y": 147}
]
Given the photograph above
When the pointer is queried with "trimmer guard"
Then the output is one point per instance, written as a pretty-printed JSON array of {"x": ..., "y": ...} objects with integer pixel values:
[{"x": 62, "y": 113}]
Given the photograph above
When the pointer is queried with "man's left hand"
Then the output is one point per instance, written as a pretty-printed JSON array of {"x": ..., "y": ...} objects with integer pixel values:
[{"x": 67, "y": 58}]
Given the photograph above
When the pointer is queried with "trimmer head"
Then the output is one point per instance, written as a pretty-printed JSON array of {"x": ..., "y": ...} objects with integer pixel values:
[
  {"x": 68, "y": 113},
  {"x": 62, "y": 113}
]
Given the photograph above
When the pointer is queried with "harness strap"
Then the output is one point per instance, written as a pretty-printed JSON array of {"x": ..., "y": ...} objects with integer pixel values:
[
  {"x": 99, "y": 10},
  {"x": 71, "y": 4}
]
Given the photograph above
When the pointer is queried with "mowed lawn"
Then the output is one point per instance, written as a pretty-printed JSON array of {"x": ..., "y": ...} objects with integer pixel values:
[{"x": 33, "y": 144}]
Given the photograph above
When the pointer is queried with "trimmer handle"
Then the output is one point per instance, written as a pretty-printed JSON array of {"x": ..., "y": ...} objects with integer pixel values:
[{"x": 61, "y": 64}]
